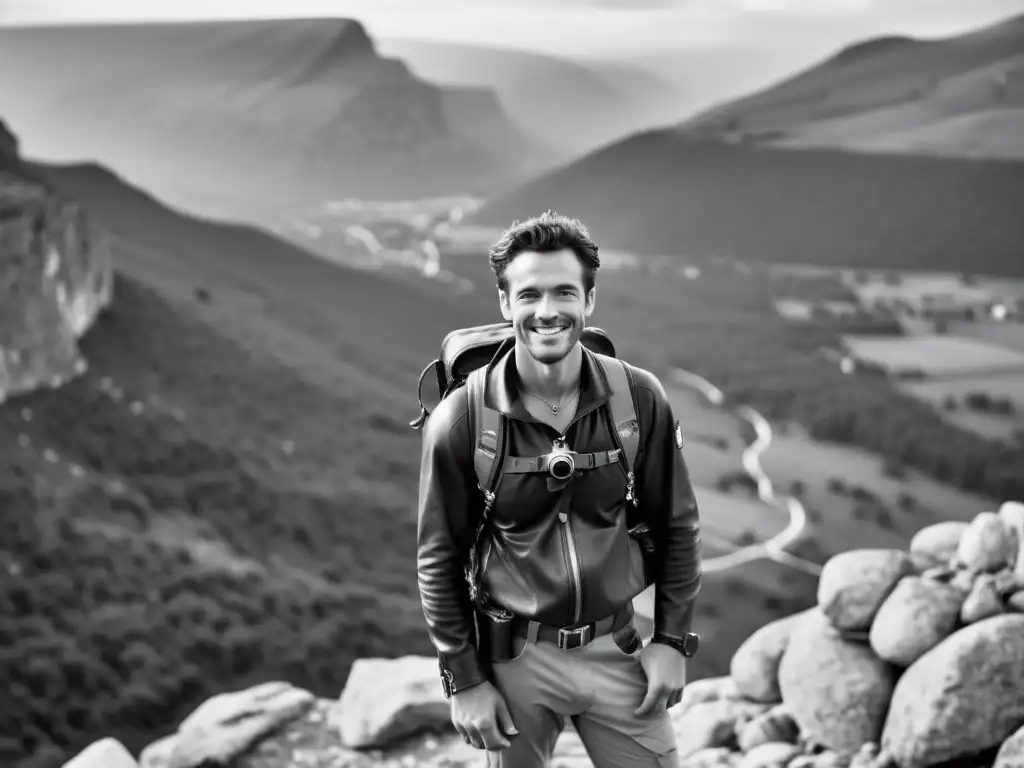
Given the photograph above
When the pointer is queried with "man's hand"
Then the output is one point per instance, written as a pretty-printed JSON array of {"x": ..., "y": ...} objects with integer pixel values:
[
  {"x": 665, "y": 668},
  {"x": 481, "y": 717}
]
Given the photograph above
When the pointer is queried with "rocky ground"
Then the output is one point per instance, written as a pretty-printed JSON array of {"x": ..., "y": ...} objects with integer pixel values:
[{"x": 911, "y": 659}]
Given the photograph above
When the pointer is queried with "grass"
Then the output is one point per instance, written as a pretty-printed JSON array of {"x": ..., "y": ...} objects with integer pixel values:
[{"x": 251, "y": 518}]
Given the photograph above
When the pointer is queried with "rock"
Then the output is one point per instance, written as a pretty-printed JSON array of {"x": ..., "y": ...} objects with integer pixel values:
[
  {"x": 56, "y": 276},
  {"x": 821, "y": 760},
  {"x": 105, "y": 753},
  {"x": 1012, "y": 515},
  {"x": 943, "y": 573},
  {"x": 1015, "y": 602},
  {"x": 755, "y": 664},
  {"x": 962, "y": 697},
  {"x": 936, "y": 544},
  {"x": 837, "y": 691},
  {"x": 1011, "y": 754},
  {"x": 983, "y": 602},
  {"x": 712, "y": 723},
  {"x": 712, "y": 757},
  {"x": 770, "y": 755},
  {"x": 8, "y": 141},
  {"x": 916, "y": 617},
  {"x": 776, "y": 725},
  {"x": 854, "y": 584},
  {"x": 389, "y": 699},
  {"x": 709, "y": 689},
  {"x": 987, "y": 545},
  {"x": 227, "y": 725}
]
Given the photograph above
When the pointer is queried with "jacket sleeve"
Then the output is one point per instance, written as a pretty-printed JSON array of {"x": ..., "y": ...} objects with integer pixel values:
[
  {"x": 446, "y": 497},
  {"x": 666, "y": 499}
]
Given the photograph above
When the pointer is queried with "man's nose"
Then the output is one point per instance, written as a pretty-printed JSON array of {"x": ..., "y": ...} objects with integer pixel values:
[{"x": 546, "y": 308}]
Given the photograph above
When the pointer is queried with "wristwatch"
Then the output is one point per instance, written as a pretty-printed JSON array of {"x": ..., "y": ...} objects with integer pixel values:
[{"x": 686, "y": 645}]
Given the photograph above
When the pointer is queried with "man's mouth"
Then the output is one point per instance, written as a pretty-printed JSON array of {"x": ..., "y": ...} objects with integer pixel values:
[{"x": 551, "y": 330}]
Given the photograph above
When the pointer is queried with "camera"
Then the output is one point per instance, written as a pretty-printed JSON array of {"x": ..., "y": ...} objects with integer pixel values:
[{"x": 561, "y": 463}]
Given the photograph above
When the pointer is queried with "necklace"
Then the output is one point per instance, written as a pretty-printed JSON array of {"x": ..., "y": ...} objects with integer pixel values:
[{"x": 554, "y": 408}]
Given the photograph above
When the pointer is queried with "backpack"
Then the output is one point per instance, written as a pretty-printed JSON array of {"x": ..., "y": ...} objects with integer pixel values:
[{"x": 465, "y": 354}]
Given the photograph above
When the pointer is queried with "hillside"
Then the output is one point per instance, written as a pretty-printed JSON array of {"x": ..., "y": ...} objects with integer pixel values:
[
  {"x": 960, "y": 96},
  {"x": 265, "y": 115},
  {"x": 662, "y": 193},
  {"x": 608, "y": 102}
]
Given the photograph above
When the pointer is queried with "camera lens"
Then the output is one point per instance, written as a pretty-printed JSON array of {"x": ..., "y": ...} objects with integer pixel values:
[{"x": 561, "y": 468}]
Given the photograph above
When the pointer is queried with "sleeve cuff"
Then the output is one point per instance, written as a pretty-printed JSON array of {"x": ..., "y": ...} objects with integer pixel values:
[{"x": 461, "y": 670}]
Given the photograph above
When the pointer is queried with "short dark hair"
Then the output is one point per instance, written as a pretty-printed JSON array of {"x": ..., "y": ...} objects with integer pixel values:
[{"x": 546, "y": 233}]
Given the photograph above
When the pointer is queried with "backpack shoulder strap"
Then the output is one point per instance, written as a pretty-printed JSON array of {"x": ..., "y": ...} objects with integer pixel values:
[
  {"x": 488, "y": 434},
  {"x": 623, "y": 411}
]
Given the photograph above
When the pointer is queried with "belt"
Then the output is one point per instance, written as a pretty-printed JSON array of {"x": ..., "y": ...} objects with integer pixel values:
[{"x": 569, "y": 638}]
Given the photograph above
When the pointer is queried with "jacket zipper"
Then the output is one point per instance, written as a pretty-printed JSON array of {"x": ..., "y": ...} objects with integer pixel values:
[
  {"x": 575, "y": 567},
  {"x": 575, "y": 570}
]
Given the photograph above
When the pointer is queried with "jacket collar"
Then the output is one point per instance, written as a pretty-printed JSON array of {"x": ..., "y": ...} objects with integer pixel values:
[{"x": 502, "y": 391}]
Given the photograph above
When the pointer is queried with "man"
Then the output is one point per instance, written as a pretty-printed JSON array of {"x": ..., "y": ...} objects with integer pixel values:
[{"x": 557, "y": 556}]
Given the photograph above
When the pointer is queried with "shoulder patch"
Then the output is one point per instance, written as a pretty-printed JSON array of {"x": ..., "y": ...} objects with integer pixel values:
[{"x": 679, "y": 436}]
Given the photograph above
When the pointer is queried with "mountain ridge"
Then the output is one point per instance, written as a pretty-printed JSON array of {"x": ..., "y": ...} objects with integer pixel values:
[{"x": 286, "y": 113}]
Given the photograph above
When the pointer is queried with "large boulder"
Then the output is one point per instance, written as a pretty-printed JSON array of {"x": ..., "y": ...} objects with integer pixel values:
[
  {"x": 987, "y": 545},
  {"x": 1011, "y": 753},
  {"x": 755, "y": 664},
  {"x": 56, "y": 276},
  {"x": 1012, "y": 515},
  {"x": 936, "y": 544},
  {"x": 854, "y": 584},
  {"x": 961, "y": 697},
  {"x": 837, "y": 691},
  {"x": 228, "y": 725},
  {"x": 918, "y": 614},
  {"x": 105, "y": 753},
  {"x": 389, "y": 699}
]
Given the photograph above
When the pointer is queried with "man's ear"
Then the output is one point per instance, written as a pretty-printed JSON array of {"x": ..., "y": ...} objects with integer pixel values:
[
  {"x": 588, "y": 306},
  {"x": 505, "y": 304}
]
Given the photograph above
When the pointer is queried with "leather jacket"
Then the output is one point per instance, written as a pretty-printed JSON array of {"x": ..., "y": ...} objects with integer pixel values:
[{"x": 561, "y": 558}]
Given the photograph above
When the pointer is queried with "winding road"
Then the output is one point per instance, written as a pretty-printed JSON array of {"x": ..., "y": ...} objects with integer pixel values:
[{"x": 775, "y": 547}]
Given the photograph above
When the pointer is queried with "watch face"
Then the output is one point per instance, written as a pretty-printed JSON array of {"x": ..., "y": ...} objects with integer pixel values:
[{"x": 690, "y": 643}]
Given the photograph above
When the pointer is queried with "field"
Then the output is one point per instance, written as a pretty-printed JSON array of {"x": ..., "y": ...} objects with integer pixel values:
[
  {"x": 935, "y": 355},
  {"x": 1007, "y": 335},
  {"x": 851, "y": 502},
  {"x": 870, "y": 285},
  {"x": 951, "y": 396}
]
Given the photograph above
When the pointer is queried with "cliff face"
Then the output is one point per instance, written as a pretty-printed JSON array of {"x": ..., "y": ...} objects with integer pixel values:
[{"x": 55, "y": 278}]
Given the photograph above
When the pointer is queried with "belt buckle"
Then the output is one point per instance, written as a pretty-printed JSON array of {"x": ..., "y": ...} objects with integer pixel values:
[{"x": 583, "y": 633}]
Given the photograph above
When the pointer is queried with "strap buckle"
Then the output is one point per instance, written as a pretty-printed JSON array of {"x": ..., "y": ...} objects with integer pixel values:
[
  {"x": 582, "y": 635},
  {"x": 447, "y": 683}
]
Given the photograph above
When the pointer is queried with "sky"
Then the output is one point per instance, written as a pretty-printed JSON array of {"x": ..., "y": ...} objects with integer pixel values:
[{"x": 572, "y": 27}]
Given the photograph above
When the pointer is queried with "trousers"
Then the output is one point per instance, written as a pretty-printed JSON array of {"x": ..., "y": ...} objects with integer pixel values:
[{"x": 599, "y": 687}]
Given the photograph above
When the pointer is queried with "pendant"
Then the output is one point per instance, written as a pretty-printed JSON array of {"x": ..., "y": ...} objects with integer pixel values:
[{"x": 554, "y": 409}]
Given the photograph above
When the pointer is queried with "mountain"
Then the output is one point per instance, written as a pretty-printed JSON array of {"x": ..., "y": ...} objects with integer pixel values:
[
  {"x": 697, "y": 190},
  {"x": 960, "y": 96},
  {"x": 274, "y": 114},
  {"x": 696, "y": 78},
  {"x": 566, "y": 105}
]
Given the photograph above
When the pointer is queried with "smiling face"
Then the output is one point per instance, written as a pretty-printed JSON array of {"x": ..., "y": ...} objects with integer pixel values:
[{"x": 546, "y": 303}]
